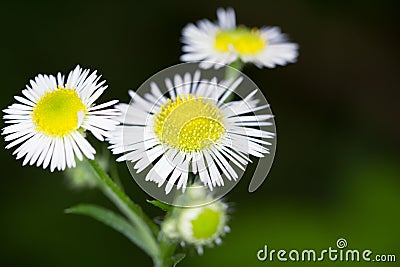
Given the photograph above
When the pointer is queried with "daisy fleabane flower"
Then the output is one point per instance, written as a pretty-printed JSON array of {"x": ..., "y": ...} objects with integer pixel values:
[
  {"x": 221, "y": 43},
  {"x": 48, "y": 124},
  {"x": 192, "y": 129}
]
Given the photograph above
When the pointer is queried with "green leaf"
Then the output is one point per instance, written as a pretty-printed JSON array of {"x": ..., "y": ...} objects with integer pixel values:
[
  {"x": 122, "y": 201},
  {"x": 115, "y": 221},
  {"x": 177, "y": 258},
  {"x": 161, "y": 205},
  {"x": 132, "y": 211}
]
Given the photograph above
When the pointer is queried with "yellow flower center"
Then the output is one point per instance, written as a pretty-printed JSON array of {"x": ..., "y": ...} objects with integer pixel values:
[
  {"x": 189, "y": 124},
  {"x": 243, "y": 40},
  {"x": 59, "y": 112},
  {"x": 206, "y": 225}
]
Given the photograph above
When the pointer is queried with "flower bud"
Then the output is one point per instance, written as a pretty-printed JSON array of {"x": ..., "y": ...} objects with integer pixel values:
[{"x": 196, "y": 224}]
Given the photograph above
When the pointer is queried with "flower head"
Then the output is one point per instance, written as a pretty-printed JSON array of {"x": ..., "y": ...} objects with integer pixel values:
[
  {"x": 49, "y": 122},
  {"x": 221, "y": 43},
  {"x": 194, "y": 225},
  {"x": 190, "y": 130}
]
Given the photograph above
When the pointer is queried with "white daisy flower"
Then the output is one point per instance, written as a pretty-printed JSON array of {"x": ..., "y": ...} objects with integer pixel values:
[
  {"x": 190, "y": 130},
  {"x": 49, "y": 122},
  {"x": 221, "y": 43}
]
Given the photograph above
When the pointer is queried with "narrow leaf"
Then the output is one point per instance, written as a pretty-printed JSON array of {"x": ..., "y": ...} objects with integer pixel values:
[
  {"x": 161, "y": 205},
  {"x": 177, "y": 258},
  {"x": 115, "y": 221},
  {"x": 132, "y": 211}
]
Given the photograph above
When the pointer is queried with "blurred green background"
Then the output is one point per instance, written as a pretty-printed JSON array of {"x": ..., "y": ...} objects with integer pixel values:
[{"x": 336, "y": 172}]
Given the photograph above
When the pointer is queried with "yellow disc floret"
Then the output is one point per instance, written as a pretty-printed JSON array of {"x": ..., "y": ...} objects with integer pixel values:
[
  {"x": 189, "y": 123},
  {"x": 242, "y": 40},
  {"x": 58, "y": 112}
]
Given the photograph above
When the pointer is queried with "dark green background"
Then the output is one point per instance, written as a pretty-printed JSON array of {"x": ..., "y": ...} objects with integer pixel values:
[{"x": 336, "y": 172}]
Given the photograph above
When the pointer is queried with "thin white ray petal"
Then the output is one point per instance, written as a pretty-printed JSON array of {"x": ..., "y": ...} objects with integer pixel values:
[
  {"x": 214, "y": 172},
  {"x": 46, "y": 146},
  {"x": 103, "y": 105},
  {"x": 83, "y": 145},
  {"x": 185, "y": 175}
]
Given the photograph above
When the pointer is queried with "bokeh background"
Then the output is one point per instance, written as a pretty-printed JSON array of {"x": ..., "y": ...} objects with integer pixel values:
[{"x": 336, "y": 172}]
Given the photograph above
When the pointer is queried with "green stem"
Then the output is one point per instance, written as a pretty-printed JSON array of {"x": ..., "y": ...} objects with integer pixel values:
[
  {"x": 132, "y": 211},
  {"x": 162, "y": 249},
  {"x": 115, "y": 176},
  {"x": 232, "y": 73},
  {"x": 167, "y": 249},
  {"x": 111, "y": 190},
  {"x": 113, "y": 220}
]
